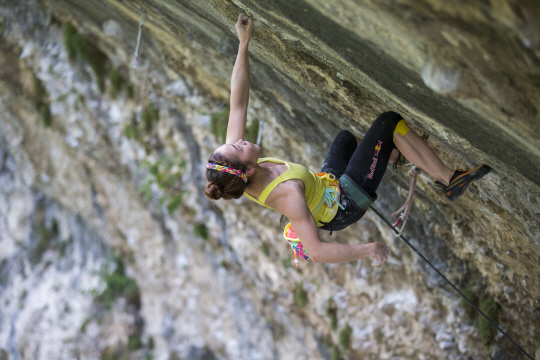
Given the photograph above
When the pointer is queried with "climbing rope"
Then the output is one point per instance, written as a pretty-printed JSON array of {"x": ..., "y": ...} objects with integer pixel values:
[{"x": 451, "y": 284}]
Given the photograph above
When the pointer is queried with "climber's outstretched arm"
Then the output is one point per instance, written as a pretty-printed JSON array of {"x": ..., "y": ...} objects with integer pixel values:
[
  {"x": 295, "y": 208},
  {"x": 236, "y": 128}
]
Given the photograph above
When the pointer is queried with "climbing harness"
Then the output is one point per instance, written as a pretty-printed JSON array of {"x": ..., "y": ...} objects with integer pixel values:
[
  {"x": 450, "y": 283},
  {"x": 136, "y": 55}
]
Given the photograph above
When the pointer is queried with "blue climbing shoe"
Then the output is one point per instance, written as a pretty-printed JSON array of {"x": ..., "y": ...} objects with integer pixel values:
[{"x": 461, "y": 179}]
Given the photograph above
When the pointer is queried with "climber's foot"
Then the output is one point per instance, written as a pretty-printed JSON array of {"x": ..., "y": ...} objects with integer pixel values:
[{"x": 460, "y": 180}]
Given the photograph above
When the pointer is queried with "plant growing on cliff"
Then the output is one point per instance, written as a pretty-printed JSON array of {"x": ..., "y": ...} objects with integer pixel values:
[
  {"x": 46, "y": 233},
  {"x": 218, "y": 123},
  {"x": 201, "y": 230},
  {"x": 300, "y": 295},
  {"x": 252, "y": 131},
  {"x": 331, "y": 312},
  {"x": 118, "y": 285},
  {"x": 166, "y": 175},
  {"x": 487, "y": 331},
  {"x": 471, "y": 295},
  {"x": 336, "y": 354},
  {"x": 345, "y": 337},
  {"x": 78, "y": 46},
  {"x": 41, "y": 102},
  {"x": 141, "y": 131},
  {"x": 116, "y": 82}
]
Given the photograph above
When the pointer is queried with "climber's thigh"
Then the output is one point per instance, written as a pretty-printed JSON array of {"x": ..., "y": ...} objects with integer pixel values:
[
  {"x": 340, "y": 153},
  {"x": 369, "y": 161}
]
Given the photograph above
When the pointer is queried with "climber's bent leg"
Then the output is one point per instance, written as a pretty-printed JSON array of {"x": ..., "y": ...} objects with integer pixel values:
[
  {"x": 340, "y": 153},
  {"x": 369, "y": 161},
  {"x": 394, "y": 156},
  {"x": 418, "y": 152}
]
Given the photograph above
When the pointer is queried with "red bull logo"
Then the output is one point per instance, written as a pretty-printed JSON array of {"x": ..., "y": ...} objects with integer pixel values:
[{"x": 378, "y": 148}]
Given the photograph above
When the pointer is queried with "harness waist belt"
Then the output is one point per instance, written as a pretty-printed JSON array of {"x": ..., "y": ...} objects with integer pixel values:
[{"x": 359, "y": 195}]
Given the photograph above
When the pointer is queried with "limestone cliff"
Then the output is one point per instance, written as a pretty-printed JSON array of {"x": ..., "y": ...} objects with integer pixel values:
[{"x": 111, "y": 251}]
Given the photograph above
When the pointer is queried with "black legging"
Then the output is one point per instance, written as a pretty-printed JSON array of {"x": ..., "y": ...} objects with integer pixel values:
[{"x": 364, "y": 164}]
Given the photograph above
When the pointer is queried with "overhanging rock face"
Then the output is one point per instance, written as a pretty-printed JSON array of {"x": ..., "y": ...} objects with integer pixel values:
[{"x": 120, "y": 155}]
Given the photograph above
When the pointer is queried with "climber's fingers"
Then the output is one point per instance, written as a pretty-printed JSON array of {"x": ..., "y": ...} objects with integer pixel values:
[{"x": 244, "y": 27}]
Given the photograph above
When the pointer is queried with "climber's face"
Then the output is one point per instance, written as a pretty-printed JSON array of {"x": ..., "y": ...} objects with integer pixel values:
[{"x": 242, "y": 150}]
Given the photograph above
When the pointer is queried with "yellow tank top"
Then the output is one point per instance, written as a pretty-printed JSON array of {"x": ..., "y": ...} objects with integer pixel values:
[{"x": 315, "y": 187}]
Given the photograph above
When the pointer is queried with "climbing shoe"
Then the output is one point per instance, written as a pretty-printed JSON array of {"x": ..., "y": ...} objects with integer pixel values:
[{"x": 460, "y": 180}]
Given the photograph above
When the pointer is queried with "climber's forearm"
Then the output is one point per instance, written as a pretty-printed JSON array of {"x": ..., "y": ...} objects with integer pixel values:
[
  {"x": 239, "y": 96},
  {"x": 240, "y": 79},
  {"x": 341, "y": 253}
]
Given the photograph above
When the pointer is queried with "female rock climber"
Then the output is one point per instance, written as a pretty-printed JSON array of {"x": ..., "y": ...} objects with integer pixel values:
[{"x": 332, "y": 199}]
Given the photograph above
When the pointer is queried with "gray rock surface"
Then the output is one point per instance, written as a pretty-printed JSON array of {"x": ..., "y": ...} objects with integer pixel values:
[{"x": 89, "y": 179}]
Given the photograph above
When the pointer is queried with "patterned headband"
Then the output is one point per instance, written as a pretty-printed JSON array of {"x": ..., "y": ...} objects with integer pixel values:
[{"x": 227, "y": 169}]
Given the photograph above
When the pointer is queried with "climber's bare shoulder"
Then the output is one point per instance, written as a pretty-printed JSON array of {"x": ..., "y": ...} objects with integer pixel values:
[{"x": 288, "y": 197}]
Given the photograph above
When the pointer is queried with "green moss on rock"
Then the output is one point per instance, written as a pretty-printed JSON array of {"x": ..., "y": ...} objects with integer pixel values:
[
  {"x": 300, "y": 295},
  {"x": 218, "y": 123},
  {"x": 115, "y": 81},
  {"x": 119, "y": 285},
  {"x": 252, "y": 131},
  {"x": 201, "y": 230},
  {"x": 331, "y": 312},
  {"x": 487, "y": 331},
  {"x": 336, "y": 353},
  {"x": 345, "y": 337},
  {"x": 471, "y": 295},
  {"x": 78, "y": 46}
]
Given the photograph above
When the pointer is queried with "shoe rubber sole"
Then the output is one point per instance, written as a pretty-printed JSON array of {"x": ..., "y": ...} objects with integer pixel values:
[{"x": 458, "y": 186}]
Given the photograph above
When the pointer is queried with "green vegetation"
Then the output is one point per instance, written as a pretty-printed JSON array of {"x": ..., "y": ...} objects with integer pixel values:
[
  {"x": 79, "y": 102},
  {"x": 166, "y": 174},
  {"x": 118, "y": 285},
  {"x": 201, "y": 230},
  {"x": 379, "y": 337},
  {"x": 123, "y": 352},
  {"x": 345, "y": 337},
  {"x": 331, "y": 312},
  {"x": 300, "y": 295},
  {"x": 78, "y": 46},
  {"x": 46, "y": 116},
  {"x": 41, "y": 102},
  {"x": 116, "y": 82},
  {"x": 469, "y": 293},
  {"x": 134, "y": 342},
  {"x": 252, "y": 131},
  {"x": 150, "y": 344},
  {"x": 265, "y": 250},
  {"x": 487, "y": 331},
  {"x": 336, "y": 354},
  {"x": 85, "y": 323},
  {"x": 286, "y": 262},
  {"x": 137, "y": 131},
  {"x": 129, "y": 91},
  {"x": 149, "y": 117},
  {"x": 218, "y": 123},
  {"x": 46, "y": 235}
]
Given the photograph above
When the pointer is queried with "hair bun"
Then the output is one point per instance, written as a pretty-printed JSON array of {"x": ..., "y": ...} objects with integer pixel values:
[{"x": 213, "y": 191}]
